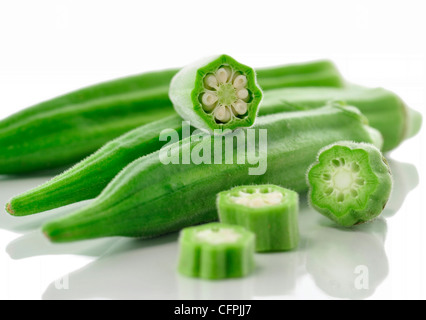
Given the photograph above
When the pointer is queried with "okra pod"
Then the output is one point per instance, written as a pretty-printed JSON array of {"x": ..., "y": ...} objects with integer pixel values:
[
  {"x": 66, "y": 129},
  {"x": 384, "y": 110},
  {"x": 269, "y": 211},
  {"x": 216, "y": 251},
  {"x": 101, "y": 167},
  {"x": 216, "y": 93},
  {"x": 350, "y": 183},
  {"x": 137, "y": 202}
]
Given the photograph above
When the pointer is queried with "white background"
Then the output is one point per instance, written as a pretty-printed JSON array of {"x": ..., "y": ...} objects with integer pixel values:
[{"x": 51, "y": 47}]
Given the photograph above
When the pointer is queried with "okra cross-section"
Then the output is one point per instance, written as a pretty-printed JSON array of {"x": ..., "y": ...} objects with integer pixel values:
[
  {"x": 270, "y": 211},
  {"x": 350, "y": 183},
  {"x": 216, "y": 251},
  {"x": 216, "y": 93}
]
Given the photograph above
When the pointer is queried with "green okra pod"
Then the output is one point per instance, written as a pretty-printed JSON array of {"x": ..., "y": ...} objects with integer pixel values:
[
  {"x": 269, "y": 211},
  {"x": 101, "y": 167},
  {"x": 216, "y": 93},
  {"x": 216, "y": 251},
  {"x": 350, "y": 183},
  {"x": 384, "y": 110},
  {"x": 137, "y": 203},
  {"x": 68, "y": 128}
]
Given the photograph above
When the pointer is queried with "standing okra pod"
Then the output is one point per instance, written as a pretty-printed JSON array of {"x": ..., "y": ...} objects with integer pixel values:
[
  {"x": 216, "y": 251},
  {"x": 350, "y": 183},
  {"x": 216, "y": 93},
  {"x": 271, "y": 212}
]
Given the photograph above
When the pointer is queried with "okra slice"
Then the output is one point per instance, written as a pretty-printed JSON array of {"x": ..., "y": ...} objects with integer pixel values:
[
  {"x": 270, "y": 211},
  {"x": 216, "y": 251},
  {"x": 350, "y": 183},
  {"x": 216, "y": 93}
]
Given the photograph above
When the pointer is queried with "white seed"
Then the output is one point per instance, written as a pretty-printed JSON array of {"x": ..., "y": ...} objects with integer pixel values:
[
  {"x": 240, "y": 82},
  {"x": 209, "y": 99},
  {"x": 240, "y": 107},
  {"x": 210, "y": 82},
  {"x": 223, "y": 235},
  {"x": 242, "y": 94},
  {"x": 273, "y": 197},
  {"x": 222, "y": 114},
  {"x": 222, "y": 75}
]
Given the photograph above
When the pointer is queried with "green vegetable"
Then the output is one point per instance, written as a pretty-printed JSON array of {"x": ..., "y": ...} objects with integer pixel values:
[
  {"x": 350, "y": 183},
  {"x": 384, "y": 110},
  {"x": 271, "y": 212},
  {"x": 216, "y": 93},
  {"x": 149, "y": 198},
  {"x": 66, "y": 129},
  {"x": 87, "y": 179},
  {"x": 216, "y": 251},
  {"x": 101, "y": 167}
]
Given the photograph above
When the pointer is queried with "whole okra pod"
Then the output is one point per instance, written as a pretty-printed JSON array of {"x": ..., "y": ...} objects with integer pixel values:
[
  {"x": 137, "y": 202},
  {"x": 380, "y": 106},
  {"x": 66, "y": 129}
]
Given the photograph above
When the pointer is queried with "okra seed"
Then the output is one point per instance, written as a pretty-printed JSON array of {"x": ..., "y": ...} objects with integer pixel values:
[
  {"x": 222, "y": 114},
  {"x": 240, "y": 82},
  {"x": 210, "y": 81},
  {"x": 209, "y": 99},
  {"x": 259, "y": 198},
  {"x": 222, "y": 75},
  {"x": 242, "y": 93},
  {"x": 218, "y": 236},
  {"x": 240, "y": 107}
]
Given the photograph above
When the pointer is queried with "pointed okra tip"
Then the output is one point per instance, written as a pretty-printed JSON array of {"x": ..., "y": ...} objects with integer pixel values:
[
  {"x": 9, "y": 209},
  {"x": 224, "y": 94}
]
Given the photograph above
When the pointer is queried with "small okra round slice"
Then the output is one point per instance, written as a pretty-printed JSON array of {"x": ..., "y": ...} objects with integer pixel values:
[
  {"x": 216, "y": 93},
  {"x": 270, "y": 211},
  {"x": 216, "y": 251},
  {"x": 350, "y": 183}
]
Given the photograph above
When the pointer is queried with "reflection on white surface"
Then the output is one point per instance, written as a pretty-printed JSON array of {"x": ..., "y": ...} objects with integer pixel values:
[
  {"x": 35, "y": 243},
  {"x": 348, "y": 263},
  {"x": 406, "y": 178},
  {"x": 146, "y": 269}
]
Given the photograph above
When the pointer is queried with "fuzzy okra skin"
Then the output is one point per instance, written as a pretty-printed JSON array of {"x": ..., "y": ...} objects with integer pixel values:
[
  {"x": 269, "y": 211},
  {"x": 68, "y": 128},
  {"x": 89, "y": 177},
  {"x": 216, "y": 93},
  {"x": 137, "y": 202},
  {"x": 216, "y": 251},
  {"x": 350, "y": 183},
  {"x": 101, "y": 167},
  {"x": 384, "y": 110}
]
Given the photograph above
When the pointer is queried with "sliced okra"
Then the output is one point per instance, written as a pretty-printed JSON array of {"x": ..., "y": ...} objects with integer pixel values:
[
  {"x": 216, "y": 251},
  {"x": 271, "y": 212},
  {"x": 350, "y": 183},
  {"x": 216, "y": 93}
]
